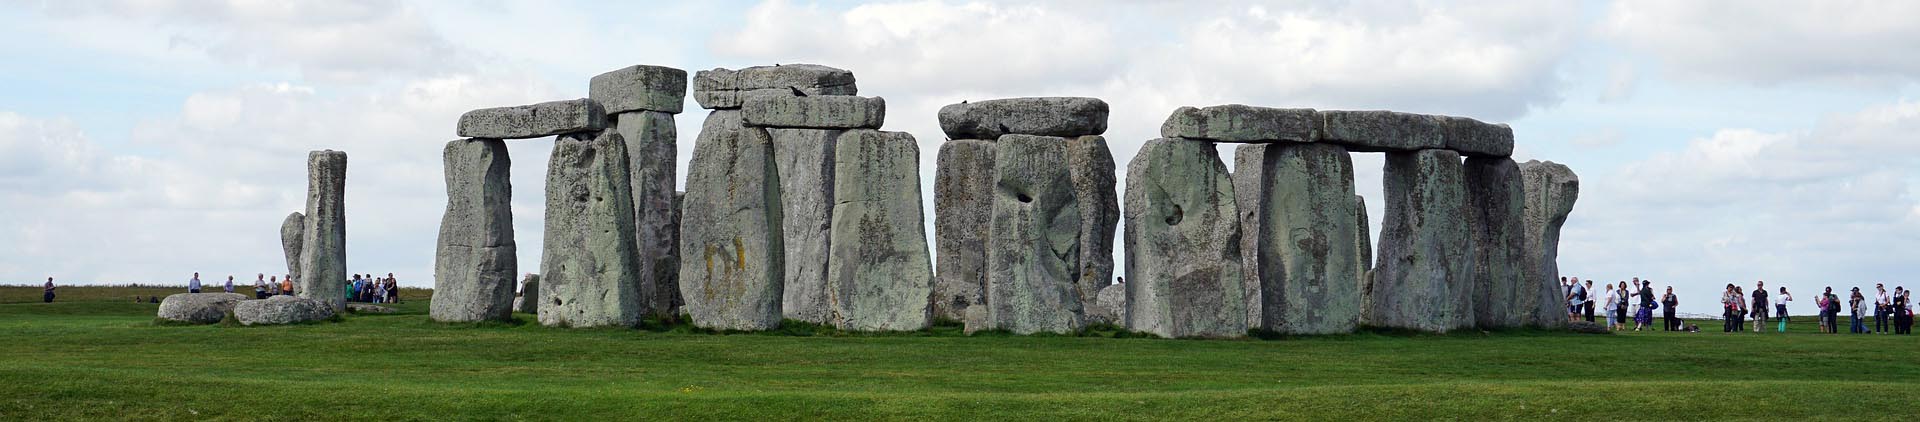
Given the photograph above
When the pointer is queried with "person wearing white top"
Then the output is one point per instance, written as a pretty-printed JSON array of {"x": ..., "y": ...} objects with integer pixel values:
[
  {"x": 1882, "y": 306},
  {"x": 1613, "y": 297}
]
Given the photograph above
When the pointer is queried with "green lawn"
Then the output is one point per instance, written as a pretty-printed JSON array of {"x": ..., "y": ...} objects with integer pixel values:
[{"x": 105, "y": 359}]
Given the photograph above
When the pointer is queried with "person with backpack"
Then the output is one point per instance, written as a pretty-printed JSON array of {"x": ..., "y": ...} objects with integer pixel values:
[
  {"x": 1576, "y": 300},
  {"x": 1644, "y": 318}
]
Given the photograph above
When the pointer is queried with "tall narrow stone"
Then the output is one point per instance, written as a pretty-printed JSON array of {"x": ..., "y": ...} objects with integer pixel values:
[
  {"x": 589, "y": 268},
  {"x": 1422, "y": 281},
  {"x": 805, "y": 159},
  {"x": 1034, "y": 243},
  {"x": 323, "y": 248},
  {"x": 650, "y": 138},
  {"x": 1364, "y": 238},
  {"x": 529, "y": 301},
  {"x": 1090, "y": 165},
  {"x": 1183, "y": 243},
  {"x": 1551, "y": 189},
  {"x": 292, "y": 230},
  {"x": 879, "y": 273},
  {"x": 1309, "y": 259},
  {"x": 962, "y": 207},
  {"x": 730, "y": 244},
  {"x": 474, "y": 263},
  {"x": 1250, "y": 193},
  {"x": 1496, "y": 203}
]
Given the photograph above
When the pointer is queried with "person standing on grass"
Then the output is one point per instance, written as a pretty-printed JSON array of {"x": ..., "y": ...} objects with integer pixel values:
[
  {"x": 1729, "y": 308},
  {"x": 1644, "y": 318},
  {"x": 273, "y": 286},
  {"x": 1828, "y": 308},
  {"x": 260, "y": 286},
  {"x": 1882, "y": 307},
  {"x": 1670, "y": 301},
  {"x": 46, "y": 295},
  {"x": 1612, "y": 297},
  {"x": 1855, "y": 305},
  {"x": 1620, "y": 306},
  {"x": 1576, "y": 300},
  {"x": 1759, "y": 306},
  {"x": 1590, "y": 303},
  {"x": 1780, "y": 308},
  {"x": 286, "y": 285},
  {"x": 193, "y": 285},
  {"x": 1902, "y": 310}
]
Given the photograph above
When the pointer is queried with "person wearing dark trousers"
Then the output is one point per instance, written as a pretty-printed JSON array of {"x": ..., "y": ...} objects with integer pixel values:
[
  {"x": 1902, "y": 311},
  {"x": 47, "y": 294},
  {"x": 1589, "y": 303},
  {"x": 1670, "y": 301},
  {"x": 1882, "y": 307}
]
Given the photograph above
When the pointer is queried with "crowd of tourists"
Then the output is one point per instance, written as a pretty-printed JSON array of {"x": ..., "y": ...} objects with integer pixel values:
[
  {"x": 1634, "y": 303},
  {"x": 361, "y": 288}
]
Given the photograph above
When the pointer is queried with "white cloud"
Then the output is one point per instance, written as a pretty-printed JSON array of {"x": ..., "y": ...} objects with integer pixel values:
[{"x": 1772, "y": 42}]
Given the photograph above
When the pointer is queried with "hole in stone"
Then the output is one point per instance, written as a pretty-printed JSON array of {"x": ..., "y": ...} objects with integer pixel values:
[
  {"x": 1023, "y": 197},
  {"x": 1173, "y": 218}
]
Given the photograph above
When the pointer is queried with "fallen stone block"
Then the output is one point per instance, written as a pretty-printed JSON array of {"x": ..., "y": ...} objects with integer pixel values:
[
  {"x": 279, "y": 310},
  {"x": 198, "y": 308}
]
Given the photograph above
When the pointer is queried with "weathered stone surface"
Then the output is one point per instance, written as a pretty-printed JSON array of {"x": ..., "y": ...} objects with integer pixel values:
[
  {"x": 1243, "y": 124},
  {"x": 368, "y": 308},
  {"x": 1033, "y": 247},
  {"x": 1584, "y": 327},
  {"x": 1474, "y": 138},
  {"x": 1496, "y": 203},
  {"x": 475, "y": 261},
  {"x": 588, "y": 264},
  {"x": 804, "y": 158},
  {"x": 1090, "y": 165},
  {"x": 733, "y": 262},
  {"x": 726, "y": 89},
  {"x": 678, "y": 301},
  {"x": 1183, "y": 243},
  {"x": 815, "y": 112},
  {"x": 199, "y": 308},
  {"x": 529, "y": 300},
  {"x": 879, "y": 273},
  {"x": 963, "y": 210},
  {"x": 1422, "y": 281},
  {"x": 1045, "y": 116},
  {"x": 1306, "y": 247},
  {"x": 1381, "y": 131},
  {"x": 323, "y": 246},
  {"x": 1109, "y": 306},
  {"x": 291, "y": 231},
  {"x": 1250, "y": 191},
  {"x": 1364, "y": 238},
  {"x": 651, "y": 153},
  {"x": 640, "y": 87},
  {"x": 978, "y": 318},
  {"x": 281, "y": 310},
  {"x": 1551, "y": 189},
  {"x": 534, "y": 120}
]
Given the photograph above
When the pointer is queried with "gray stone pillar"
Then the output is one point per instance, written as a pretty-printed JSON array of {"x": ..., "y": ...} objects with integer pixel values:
[
  {"x": 1090, "y": 165},
  {"x": 323, "y": 251},
  {"x": 963, "y": 207},
  {"x": 1551, "y": 190},
  {"x": 589, "y": 266},
  {"x": 641, "y": 102},
  {"x": 732, "y": 259},
  {"x": 1183, "y": 243},
  {"x": 879, "y": 275},
  {"x": 1308, "y": 245},
  {"x": 475, "y": 262},
  {"x": 1033, "y": 249},
  {"x": 1422, "y": 281},
  {"x": 804, "y": 158},
  {"x": 292, "y": 231},
  {"x": 1496, "y": 201}
]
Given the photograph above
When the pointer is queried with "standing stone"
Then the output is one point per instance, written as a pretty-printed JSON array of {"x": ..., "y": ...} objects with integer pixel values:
[
  {"x": 291, "y": 231},
  {"x": 1250, "y": 193},
  {"x": 1364, "y": 238},
  {"x": 879, "y": 273},
  {"x": 1090, "y": 165},
  {"x": 1033, "y": 246},
  {"x": 529, "y": 301},
  {"x": 728, "y": 89},
  {"x": 1422, "y": 281},
  {"x": 534, "y": 121},
  {"x": 731, "y": 245},
  {"x": 679, "y": 302},
  {"x": 641, "y": 87},
  {"x": 805, "y": 158},
  {"x": 963, "y": 210},
  {"x": 1309, "y": 260},
  {"x": 323, "y": 245},
  {"x": 589, "y": 265},
  {"x": 1551, "y": 189},
  {"x": 475, "y": 261},
  {"x": 650, "y": 138},
  {"x": 1183, "y": 243},
  {"x": 1496, "y": 203},
  {"x": 1044, "y": 116}
]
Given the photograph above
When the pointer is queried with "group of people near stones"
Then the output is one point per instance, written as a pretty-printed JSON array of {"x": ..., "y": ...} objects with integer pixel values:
[
  {"x": 371, "y": 289},
  {"x": 263, "y": 286},
  {"x": 1636, "y": 302}
]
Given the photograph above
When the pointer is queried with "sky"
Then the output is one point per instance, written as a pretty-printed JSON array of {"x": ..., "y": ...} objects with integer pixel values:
[{"x": 1716, "y": 141}]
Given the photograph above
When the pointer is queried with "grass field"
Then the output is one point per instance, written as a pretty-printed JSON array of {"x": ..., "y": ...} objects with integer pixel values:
[{"x": 97, "y": 355}]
